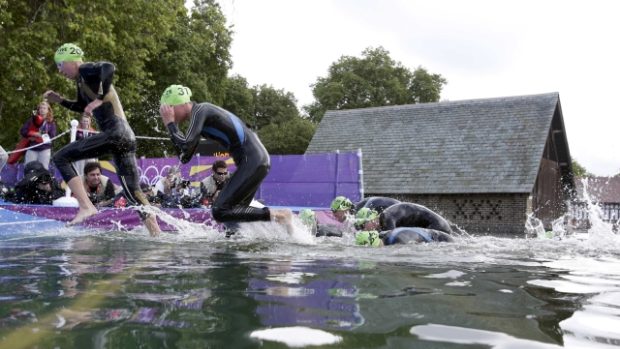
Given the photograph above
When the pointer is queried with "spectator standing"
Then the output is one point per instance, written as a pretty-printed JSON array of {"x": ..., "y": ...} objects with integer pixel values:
[
  {"x": 40, "y": 136},
  {"x": 85, "y": 129},
  {"x": 30, "y": 127}
]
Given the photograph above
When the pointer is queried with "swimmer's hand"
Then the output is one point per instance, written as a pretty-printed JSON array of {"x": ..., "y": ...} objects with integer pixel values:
[
  {"x": 52, "y": 96},
  {"x": 167, "y": 114},
  {"x": 92, "y": 106}
]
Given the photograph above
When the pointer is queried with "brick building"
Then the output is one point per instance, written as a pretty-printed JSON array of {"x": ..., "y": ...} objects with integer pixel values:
[{"x": 484, "y": 164}]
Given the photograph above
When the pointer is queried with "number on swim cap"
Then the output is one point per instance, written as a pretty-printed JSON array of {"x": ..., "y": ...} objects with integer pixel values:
[
  {"x": 68, "y": 53},
  {"x": 175, "y": 95}
]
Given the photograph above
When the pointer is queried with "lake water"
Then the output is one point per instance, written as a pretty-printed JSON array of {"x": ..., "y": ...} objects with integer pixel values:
[{"x": 71, "y": 288}]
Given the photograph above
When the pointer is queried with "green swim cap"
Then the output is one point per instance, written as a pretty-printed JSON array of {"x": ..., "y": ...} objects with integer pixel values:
[
  {"x": 341, "y": 203},
  {"x": 307, "y": 217},
  {"x": 364, "y": 215},
  {"x": 175, "y": 95},
  {"x": 368, "y": 238},
  {"x": 68, "y": 53}
]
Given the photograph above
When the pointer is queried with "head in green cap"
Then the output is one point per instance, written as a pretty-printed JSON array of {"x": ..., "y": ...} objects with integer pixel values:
[
  {"x": 340, "y": 206},
  {"x": 68, "y": 59},
  {"x": 367, "y": 219},
  {"x": 308, "y": 218},
  {"x": 68, "y": 53},
  {"x": 175, "y": 95},
  {"x": 176, "y": 104},
  {"x": 368, "y": 238}
]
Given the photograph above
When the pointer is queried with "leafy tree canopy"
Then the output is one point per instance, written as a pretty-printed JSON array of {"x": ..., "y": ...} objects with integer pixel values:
[
  {"x": 579, "y": 170},
  {"x": 290, "y": 137},
  {"x": 373, "y": 80},
  {"x": 152, "y": 43},
  {"x": 271, "y": 112}
]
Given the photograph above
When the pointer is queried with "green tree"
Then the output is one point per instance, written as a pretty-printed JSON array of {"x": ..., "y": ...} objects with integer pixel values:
[
  {"x": 579, "y": 170},
  {"x": 197, "y": 55},
  {"x": 272, "y": 112},
  {"x": 373, "y": 80},
  {"x": 290, "y": 137},
  {"x": 128, "y": 33},
  {"x": 239, "y": 98},
  {"x": 273, "y": 106}
]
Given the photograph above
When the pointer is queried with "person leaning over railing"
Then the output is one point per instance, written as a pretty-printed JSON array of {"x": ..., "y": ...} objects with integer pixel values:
[{"x": 37, "y": 187}]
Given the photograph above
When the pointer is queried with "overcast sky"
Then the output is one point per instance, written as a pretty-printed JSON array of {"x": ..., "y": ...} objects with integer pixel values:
[{"x": 483, "y": 48}]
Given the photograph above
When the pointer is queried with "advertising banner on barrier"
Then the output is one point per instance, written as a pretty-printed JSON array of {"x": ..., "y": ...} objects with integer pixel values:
[{"x": 311, "y": 180}]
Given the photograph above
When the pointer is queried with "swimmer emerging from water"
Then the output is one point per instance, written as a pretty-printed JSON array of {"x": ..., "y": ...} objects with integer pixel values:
[
  {"x": 412, "y": 215},
  {"x": 250, "y": 156},
  {"x": 377, "y": 203},
  {"x": 400, "y": 224},
  {"x": 402, "y": 235},
  {"x": 96, "y": 96}
]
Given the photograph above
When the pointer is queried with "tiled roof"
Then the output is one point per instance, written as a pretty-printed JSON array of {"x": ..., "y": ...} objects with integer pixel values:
[
  {"x": 599, "y": 189},
  {"x": 472, "y": 146}
]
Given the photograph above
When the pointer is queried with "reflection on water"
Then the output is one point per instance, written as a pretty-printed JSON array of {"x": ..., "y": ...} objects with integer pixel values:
[{"x": 118, "y": 290}]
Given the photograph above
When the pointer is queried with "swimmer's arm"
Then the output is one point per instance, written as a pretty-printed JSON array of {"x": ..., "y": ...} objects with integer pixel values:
[
  {"x": 186, "y": 145},
  {"x": 77, "y": 105},
  {"x": 106, "y": 74}
]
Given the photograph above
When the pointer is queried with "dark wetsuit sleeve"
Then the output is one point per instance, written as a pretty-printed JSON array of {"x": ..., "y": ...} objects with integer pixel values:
[
  {"x": 78, "y": 105},
  {"x": 186, "y": 145},
  {"x": 106, "y": 74}
]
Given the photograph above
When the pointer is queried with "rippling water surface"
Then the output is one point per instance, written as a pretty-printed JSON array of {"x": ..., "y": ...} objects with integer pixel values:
[{"x": 197, "y": 289}]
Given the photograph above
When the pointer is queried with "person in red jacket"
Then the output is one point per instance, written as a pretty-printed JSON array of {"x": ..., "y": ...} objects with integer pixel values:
[
  {"x": 41, "y": 136},
  {"x": 28, "y": 130}
]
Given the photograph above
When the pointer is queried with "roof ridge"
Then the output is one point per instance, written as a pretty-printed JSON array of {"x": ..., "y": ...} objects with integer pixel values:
[{"x": 434, "y": 104}]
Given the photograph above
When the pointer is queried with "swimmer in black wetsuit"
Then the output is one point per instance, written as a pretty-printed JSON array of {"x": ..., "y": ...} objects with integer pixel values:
[
  {"x": 401, "y": 235},
  {"x": 406, "y": 235},
  {"x": 250, "y": 156},
  {"x": 96, "y": 96},
  {"x": 412, "y": 215},
  {"x": 377, "y": 203}
]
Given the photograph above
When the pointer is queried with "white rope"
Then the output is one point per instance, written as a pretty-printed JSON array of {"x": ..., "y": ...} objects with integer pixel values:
[
  {"x": 153, "y": 138},
  {"x": 37, "y": 145},
  {"x": 137, "y": 137},
  {"x": 83, "y": 130}
]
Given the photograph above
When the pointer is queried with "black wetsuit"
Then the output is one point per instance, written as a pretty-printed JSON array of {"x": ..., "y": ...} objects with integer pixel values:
[
  {"x": 406, "y": 235},
  {"x": 249, "y": 154},
  {"x": 116, "y": 136},
  {"x": 412, "y": 215},
  {"x": 377, "y": 203}
]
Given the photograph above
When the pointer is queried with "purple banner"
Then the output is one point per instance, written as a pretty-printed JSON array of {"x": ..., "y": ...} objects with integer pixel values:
[{"x": 311, "y": 180}]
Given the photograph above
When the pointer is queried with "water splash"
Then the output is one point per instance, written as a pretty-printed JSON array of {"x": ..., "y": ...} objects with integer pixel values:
[
  {"x": 585, "y": 217},
  {"x": 534, "y": 227},
  {"x": 594, "y": 213}
]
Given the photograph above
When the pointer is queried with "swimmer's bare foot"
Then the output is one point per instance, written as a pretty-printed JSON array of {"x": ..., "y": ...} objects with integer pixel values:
[
  {"x": 151, "y": 224},
  {"x": 284, "y": 217},
  {"x": 82, "y": 215}
]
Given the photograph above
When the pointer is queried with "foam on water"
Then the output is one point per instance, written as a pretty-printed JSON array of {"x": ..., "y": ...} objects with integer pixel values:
[
  {"x": 296, "y": 336},
  {"x": 461, "y": 335}
]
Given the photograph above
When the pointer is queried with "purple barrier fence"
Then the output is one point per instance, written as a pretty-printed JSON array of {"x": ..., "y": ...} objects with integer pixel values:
[{"x": 311, "y": 180}]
